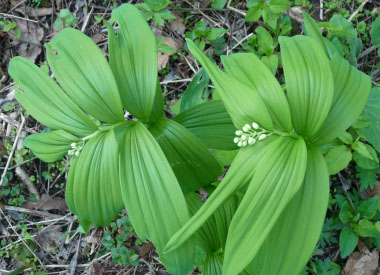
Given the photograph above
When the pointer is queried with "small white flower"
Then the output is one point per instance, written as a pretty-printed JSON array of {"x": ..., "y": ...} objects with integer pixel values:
[
  {"x": 263, "y": 136},
  {"x": 236, "y": 140},
  {"x": 255, "y": 125},
  {"x": 77, "y": 153},
  {"x": 244, "y": 143},
  {"x": 246, "y": 128},
  {"x": 239, "y": 132},
  {"x": 251, "y": 140},
  {"x": 240, "y": 144},
  {"x": 243, "y": 137},
  {"x": 73, "y": 145},
  {"x": 71, "y": 152}
]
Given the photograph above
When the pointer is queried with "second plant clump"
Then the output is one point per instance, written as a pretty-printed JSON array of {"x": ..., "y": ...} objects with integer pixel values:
[{"x": 266, "y": 215}]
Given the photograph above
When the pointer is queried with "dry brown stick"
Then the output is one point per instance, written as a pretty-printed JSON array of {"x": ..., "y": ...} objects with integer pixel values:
[
  {"x": 13, "y": 149},
  {"x": 357, "y": 10},
  {"x": 14, "y": 123},
  {"x": 32, "y": 212}
]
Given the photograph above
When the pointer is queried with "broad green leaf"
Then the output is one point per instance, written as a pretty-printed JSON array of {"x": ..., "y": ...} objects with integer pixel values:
[
  {"x": 283, "y": 251},
  {"x": 248, "y": 69},
  {"x": 365, "y": 162},
  {"x": 243, "y": 103},
  {"x": 152, "y": 196},
  {"x": 225, "y": 157},
  {"x": 351, "y": 90},
  {"x": 45, "y": 101},
  {"x": 93, "y": 189},
  {"x": 366, "y": 228},
  {"x": 211, "y": 123},
  {"x": 239, "y": 175},
  {"x": 158, "y": 104},
  {"x": 338, "y": 158},
  {"x": 193, "y": 165},
  {"x": 193, "y": 93},
  {"x": 265, "y": 40},
  {"x": 253, "y": 14},
  {"x": 218, "y": 4},
  {"x": 347, "y": 241},
  {"x": 213, "y": 265},
  {"x": 362, "y": 149},
  {"x": 211, "y": 237},
  {"x": 375, "y": 31},
  {"x": 133, "y": 60},
  {"x": 157, "y": 5},
  {"x": 50, "y": 146},
  {"x": 309, "y": 83},
  {"x": 278, "y": 6},
  {"x": 372, "y": 111},
  {"x": 278, "y": 177},
  {"x": 271, "y": 62},
  {"x": 270, "y": 17},
  {"x": 313, "y": 30},
  {"x": 84, "y": 74},
  {"x": 368, "y": 208}
]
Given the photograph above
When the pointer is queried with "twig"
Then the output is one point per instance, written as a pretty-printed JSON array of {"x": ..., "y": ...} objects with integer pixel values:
[
  {"x": 17, "y": 165},
  {"x": 235, "y": 10},
  {"x": 32, "y": 212},
  {"x": 86, "y": 20},
  {"x": 369, "y": 50},
  {"x": 14, "y": 123},
  {"x": 25, "y": 179},
  {"x": 74, "y": 260},
  {"x": 239, "y": 43},
  {"x": 176, "y": 81},
  {"x": 321, "y": 10},
  {"x": 13, "y": 149},
  {"x": 18, "y": 17},
  {"x": 357, "y": 10}
]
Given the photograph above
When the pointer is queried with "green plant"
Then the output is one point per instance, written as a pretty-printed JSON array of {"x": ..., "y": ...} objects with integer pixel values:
[
  {"x": 145, "y": 163},
  {"x": 65, "y": 19},
  {"x": 156, "y": 10},
  {"x": 270, "y": 10},
  {"x": 201, "y": 33},
  {"x": 119, "y": 252},
  {"x": 279, "y": 167}
]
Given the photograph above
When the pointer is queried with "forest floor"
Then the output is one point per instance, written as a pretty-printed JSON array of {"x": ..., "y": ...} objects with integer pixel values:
[{"x": 38, "y": 233}]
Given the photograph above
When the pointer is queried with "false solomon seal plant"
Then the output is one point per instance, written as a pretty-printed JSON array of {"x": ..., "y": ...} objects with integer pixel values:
[
  {"x": 147, "y": 164},
  {"x": 283, "y": 174}
]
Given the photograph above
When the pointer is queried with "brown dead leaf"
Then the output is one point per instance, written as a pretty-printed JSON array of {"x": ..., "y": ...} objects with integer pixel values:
[
  {"x": 98, "y": 37},
  {"x": 376, "y": 190},
  {"x": 50, "y": 240},
  {"x": 163, "y": 58},
  {"x": 47, "y": 203},
  {"x": 362, "y": 263},
  {"x": 29, "y": 43},
  {"x": 295, "y": 13},
  {"x": 177, "y": 25},
  {"x": 145, "y": 249}
]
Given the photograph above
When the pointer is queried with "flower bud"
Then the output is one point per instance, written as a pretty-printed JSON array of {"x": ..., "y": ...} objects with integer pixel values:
[
  {"x": 263, "y": 136},
  {"x": 239, "y": 132},
  {"x": 73, "y": 145},
  {"x": 244, "y": 143},
  {"x": 251, "y": 140},
  {"x": 236, "y": 140},
  {"x": 247, "y": 127},
  {"x": 255, "y": 125},
  {"x": 240, "y": 144},
  {"x": 243, "y": 137}
]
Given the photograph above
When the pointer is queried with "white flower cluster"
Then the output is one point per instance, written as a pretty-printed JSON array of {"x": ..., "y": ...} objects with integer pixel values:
[
  {"x": 250, "y": 134},
  {"x": 76, "y": 148}
]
